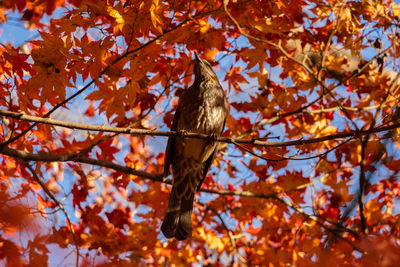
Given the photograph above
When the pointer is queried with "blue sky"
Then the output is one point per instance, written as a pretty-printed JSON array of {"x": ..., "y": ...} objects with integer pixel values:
[{"x": 14, "y": 32}]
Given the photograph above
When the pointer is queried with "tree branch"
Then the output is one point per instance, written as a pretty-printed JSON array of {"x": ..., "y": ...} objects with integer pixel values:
[
  {"x": 25, "y": 156},
  {"x": 294, "y": 207},
  {"x": 363, "y": 181},
  {"x": 326, "y": 90},
  {"x": 46, "y": 157},
  {"x": 282, "y": 158},
  {"x": 317, "y": 221},
  {"x": 256, "y": 142},
  {"x": 127, "y": 53}
]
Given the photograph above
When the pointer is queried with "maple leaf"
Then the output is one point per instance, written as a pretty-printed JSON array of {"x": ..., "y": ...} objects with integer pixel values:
[
  {"x": 311, "y": 136},
  {"x": 11, "y": 252},
  {"x": 156, "y": 10},
  {"x": 119, "y": 19},
  {"x": 234, "y": 78}
]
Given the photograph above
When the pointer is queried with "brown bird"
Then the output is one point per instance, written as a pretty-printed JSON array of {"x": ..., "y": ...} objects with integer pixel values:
[{"x": 202, "y": 108}]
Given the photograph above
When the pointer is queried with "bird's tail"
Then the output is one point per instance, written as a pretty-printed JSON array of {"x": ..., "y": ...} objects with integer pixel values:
[{"x": 178, "y": 220}]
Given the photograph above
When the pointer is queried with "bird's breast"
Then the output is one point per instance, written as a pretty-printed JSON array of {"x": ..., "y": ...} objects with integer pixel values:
[
  {"x": 206, "y": 114},
  {"x": 202, "y": 119}
]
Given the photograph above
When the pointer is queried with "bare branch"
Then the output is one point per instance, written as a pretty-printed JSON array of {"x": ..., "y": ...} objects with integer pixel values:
[
  {"x": 290, "y": 157},
  {"x": 78, "y": 158},
  {"x": 256, "y": 142}
]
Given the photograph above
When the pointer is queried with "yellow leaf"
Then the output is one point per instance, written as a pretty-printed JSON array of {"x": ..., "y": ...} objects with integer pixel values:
[
  {"x": 396, "y": 10},
  {"x": 388, "y": 210},
  {"x": 260, "y": 252},
  {"x": 204, "y": 26},
  {"x": 279, "y": 4},
  {"x": 209, "y": 54},
  {"x": 328, "y": 130},
  {"x": 215, "y": 242},
  {"x": 154, "y": 15},
  {"x": 119, "y": 20}
]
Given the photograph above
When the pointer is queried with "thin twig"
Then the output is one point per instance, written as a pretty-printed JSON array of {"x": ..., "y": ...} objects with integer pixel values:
[
  {"x": 326, "y": 90},
  {"x": 316, "y": 220},
  {"x": 282, "y": 158},
  {"x": 94, "y": 144},
  {"x": 363, "y": 181},
  {"x": 127, "y": 53},
  {"x": 230, "y": 235},
  {"x": 59, "y": 205},
  {"x": 157, "y": 178}
]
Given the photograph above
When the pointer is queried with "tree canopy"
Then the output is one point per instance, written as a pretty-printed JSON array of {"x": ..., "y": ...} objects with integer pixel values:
[{"x": 307, "y": 169}]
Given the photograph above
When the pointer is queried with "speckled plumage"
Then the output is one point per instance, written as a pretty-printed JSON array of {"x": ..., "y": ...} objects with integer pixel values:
[{"x": 202, "y": 108}]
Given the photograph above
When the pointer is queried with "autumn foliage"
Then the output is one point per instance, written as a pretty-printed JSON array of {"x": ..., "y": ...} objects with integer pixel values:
[{"x": 307, "y": 172}]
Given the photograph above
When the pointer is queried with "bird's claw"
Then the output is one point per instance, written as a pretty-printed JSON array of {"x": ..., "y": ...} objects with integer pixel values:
[
  {"x": 164, "y": 176},
  {"x": 182, "y": 133},
  {"x": 213, "y": 137}
]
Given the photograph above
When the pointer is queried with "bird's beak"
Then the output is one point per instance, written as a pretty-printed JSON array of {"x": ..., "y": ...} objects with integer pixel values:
[{"x": 197, "y": 57}]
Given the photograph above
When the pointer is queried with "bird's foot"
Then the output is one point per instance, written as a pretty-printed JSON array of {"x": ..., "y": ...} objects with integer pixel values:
[
  {"x": 213, "y": 137},
  {"x": 182, "y": 133},
  {"x": 164, "y": 176}
]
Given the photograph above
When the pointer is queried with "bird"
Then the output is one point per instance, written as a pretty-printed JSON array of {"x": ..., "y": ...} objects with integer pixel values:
[{"x": 202, "y": 108}]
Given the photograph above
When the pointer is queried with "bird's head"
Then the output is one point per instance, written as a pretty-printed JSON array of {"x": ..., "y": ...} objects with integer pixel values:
[{"x": 203, "y": 69}]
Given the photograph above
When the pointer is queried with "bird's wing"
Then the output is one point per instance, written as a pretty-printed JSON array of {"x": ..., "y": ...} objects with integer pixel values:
[
  {"x": 169, "y": 151},
  {"x": 208, "y": 162}
]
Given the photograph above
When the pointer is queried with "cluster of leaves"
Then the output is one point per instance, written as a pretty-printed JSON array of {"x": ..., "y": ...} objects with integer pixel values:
[{"x": 319, "y": 75}]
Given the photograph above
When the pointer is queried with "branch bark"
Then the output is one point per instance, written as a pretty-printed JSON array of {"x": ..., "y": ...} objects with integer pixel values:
[
  {"x": 105, "y": 69},
  {"x": 256, "y": 142},
  {"x": 46, "y": 157}
]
